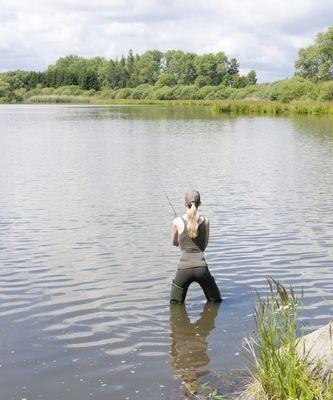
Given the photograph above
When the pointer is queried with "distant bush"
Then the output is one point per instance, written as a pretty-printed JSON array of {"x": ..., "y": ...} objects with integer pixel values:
[
  {"x": 291, "y": 89},
  {"x": 141, "y": 92},
  {"x": 106, "y": 93},
  {"x": 124, "y": 93},
  {"x": 252, "y": 92},
  {"x": 221, "y": 93},
  {"x": 183, "y": 92},
  {"x": 67, "y": 90},
  {"x": 166, "y": 79},
  {"x": 163, "y": 93},
  {"x": 202, "y": 81},
  {"x": 19, "y": 94},
  {"x": 46, "y": 91},
  {"x": 204, "y": 91},
  {"x": 326, "y": 91}
]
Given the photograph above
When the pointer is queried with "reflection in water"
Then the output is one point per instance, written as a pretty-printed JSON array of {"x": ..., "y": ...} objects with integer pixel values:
[
  {"x": 189, "y": 342},
  {"x": 85, "y": 273}
]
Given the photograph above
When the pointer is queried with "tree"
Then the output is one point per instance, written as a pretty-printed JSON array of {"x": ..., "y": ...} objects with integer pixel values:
[
  {"x": 148, "y": 67},
  {"x": 89, "y": 79},
  {"x": 181, "y": 65},
  {"x": 233, "y": 67},
  {"x": 202, "y": 81},
  {"x": 214, "y": 66},
  {"x": 166, "y": 79},
  {"x": 316, "y": 61},
  {"x": 251, "y": 77}
]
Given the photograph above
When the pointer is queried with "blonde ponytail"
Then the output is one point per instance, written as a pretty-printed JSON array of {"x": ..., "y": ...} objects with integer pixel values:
[{"x": 192, "y": 220}]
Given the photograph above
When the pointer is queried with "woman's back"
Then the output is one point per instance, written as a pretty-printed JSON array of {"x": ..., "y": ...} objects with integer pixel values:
[
  {"x": 192, "y": 248},
  {"x": 193, "y": 245}
]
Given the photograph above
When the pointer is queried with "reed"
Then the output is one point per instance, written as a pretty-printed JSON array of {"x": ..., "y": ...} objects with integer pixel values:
[
  {"x": 282, "y": 371},
  {"x": 248, "y": 107},
  {"x": 242, "y": 107},
  {"x": 54, "y": 98}
]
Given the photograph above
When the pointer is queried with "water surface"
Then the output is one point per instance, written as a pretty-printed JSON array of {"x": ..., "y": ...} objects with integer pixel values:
[{"x": 85, "y": 255}]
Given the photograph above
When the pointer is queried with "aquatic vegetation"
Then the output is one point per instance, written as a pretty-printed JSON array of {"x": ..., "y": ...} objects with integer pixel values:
[{"x": 280, "y": 368}]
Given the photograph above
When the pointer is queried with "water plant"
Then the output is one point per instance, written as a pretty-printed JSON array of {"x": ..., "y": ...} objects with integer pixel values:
[{"x": 281, "y": 367}]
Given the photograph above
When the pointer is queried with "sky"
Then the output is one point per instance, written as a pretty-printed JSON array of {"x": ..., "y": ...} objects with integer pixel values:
[{"x": 264, "y": 35}]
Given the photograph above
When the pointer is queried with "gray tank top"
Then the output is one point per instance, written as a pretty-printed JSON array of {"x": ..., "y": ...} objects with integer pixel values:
[{"x": 192, "y": 248}]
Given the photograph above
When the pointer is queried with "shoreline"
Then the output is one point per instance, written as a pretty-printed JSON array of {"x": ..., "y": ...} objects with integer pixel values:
[{"x": 242, "y": 107}]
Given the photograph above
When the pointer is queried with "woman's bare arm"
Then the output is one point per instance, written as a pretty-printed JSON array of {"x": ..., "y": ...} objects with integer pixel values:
[
  {"x": 207, "y": 232},
  {"x": 175, "y": 237}
]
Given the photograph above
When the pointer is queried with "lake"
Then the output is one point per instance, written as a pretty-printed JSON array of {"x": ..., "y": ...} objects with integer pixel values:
[{"x": 86, "y": 260}]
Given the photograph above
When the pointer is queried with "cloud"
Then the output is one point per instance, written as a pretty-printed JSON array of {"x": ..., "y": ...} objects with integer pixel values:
[{"x": 262, "y": 35}]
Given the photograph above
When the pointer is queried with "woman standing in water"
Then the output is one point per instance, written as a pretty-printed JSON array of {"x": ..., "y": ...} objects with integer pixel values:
[{"x": 191, "y": 233}]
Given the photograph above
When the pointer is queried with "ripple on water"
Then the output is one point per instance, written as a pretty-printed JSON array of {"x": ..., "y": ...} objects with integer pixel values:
[{"x": 85, "y": 255}]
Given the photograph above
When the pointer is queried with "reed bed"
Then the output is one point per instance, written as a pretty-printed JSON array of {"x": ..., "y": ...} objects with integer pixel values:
[
  {"x": 281, "y": 370},
  {"x": 242, "y": 107},
  {"x": 273, "y": 107},
  {"x": 53, "y": 98}
]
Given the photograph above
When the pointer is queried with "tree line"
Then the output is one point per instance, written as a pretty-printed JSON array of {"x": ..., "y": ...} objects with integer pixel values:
[
  {"x": 152, "y": 67},
  {"x": 154, "y": 73}
]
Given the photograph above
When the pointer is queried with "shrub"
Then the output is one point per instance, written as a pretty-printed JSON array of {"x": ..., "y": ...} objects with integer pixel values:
[
  {"x": 326, "y": 91},
  {"x": 141, "y": 92},
  {"x": 221, "y": 93},
  {"x": 202, "y": 81},
  {"x": 291, "y": 89},
  {"x": 183, "y": 92},
  {"x": 123, "y": 93},
  {"x": 46, "y": 91},
  {"x": 163, "y": 93},
  {"x": 204, "y": 91},
  {"x": 106, "y": 93},
  {"x": 165, "y": 79}
]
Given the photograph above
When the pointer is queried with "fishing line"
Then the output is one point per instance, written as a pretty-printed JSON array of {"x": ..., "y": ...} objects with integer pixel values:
[{"x": 166, "y": 195}]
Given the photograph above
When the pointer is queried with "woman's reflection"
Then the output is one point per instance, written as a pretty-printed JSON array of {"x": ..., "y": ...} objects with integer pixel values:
[{"x": 189, "y": 342}]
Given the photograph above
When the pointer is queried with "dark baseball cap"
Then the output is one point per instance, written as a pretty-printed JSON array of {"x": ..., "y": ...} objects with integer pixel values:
[{"x": 193, "y": 196}]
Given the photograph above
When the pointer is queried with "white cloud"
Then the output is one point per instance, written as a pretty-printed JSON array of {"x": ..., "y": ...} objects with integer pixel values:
[{"x": 262, "y": 35}]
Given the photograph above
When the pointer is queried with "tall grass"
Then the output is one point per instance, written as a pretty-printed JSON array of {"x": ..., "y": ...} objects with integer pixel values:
[
  {"x": 54, "y": 98},
  {"x": 228, "y": 106},
  {"x": 280, "y": 367},
  {"x": 249, "y": 107}
]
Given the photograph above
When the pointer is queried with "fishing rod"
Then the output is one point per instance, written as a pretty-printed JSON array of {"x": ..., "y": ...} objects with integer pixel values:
[{"x": 166, "y": 195}]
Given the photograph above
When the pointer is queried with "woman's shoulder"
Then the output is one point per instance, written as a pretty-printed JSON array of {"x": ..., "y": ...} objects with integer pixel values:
[
  {"x": 178, "y": 221},
  {"x": 203, "y": 219}
]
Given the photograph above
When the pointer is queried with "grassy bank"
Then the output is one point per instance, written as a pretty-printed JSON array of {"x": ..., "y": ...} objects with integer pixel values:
[
  {"x": 281, "y": 370},
  {"x": 246, "y": 107}
]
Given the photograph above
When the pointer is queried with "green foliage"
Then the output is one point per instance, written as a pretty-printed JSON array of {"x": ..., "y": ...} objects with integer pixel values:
[
  {"x": 142, "y": 91},
  {"x": 291, "y": 89},
  {"x": 213, "y": 66},
  {"x": 181, "y": 65},
  {"x": 147, "y": 67},
  {"x": 202, "y": 81},
  {"x": 166, "y": 79},
  {"x": 204, "y": 92},
  {"x": 172, "y": 68},
  {"x": 326, "y": 91},
  {"x": 251, "y": 77},
  {"x": 316, "y": 61},
  {"x": 163, "y": 93},
  {"x": 278, "y": 366},
  {"x": 177, "y": 75},
  {"x": 183, "y": 92},
  {"x": 124, "y": 93}
]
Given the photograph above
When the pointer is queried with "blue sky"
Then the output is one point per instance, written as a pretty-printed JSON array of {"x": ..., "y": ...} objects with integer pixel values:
[{"x": 262, "y": 35}]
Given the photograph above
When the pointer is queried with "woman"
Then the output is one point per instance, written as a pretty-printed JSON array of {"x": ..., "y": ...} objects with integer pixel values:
[{"x": 191, "y": 233}]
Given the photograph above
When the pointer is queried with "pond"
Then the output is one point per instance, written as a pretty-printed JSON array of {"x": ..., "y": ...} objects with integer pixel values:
[{"x": 86, "y": 259}]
